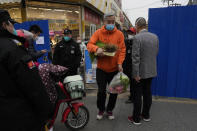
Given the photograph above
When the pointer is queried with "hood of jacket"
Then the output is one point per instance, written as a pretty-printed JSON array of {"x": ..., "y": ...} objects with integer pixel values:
[
  {"x": 7, "y": 34},
  {"x": 27, "y": 34}
]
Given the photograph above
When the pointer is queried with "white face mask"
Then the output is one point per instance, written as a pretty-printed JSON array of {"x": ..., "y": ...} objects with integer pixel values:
[
  {"x": 78, "y": 41},
  {"x": 130, "y": 36}
]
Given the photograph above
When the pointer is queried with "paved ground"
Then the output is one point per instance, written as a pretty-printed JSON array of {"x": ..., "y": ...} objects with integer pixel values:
[{"x": 167, "y": 114}]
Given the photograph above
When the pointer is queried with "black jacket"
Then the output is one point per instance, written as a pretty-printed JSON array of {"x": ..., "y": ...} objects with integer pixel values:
[
  {"x": 24, "y": 103},
  {"x": 32, "y": 51},
  {"x": 67, "y": 54},
  {"x": 127, "y": 64}
]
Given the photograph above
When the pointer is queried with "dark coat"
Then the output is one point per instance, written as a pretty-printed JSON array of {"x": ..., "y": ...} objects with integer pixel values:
[
  {"x": 32, "y": 51},
  {"x": 68, "y": 54},
  {"x": 127, "y": 64},
  {"x": 24, "y": 103}
]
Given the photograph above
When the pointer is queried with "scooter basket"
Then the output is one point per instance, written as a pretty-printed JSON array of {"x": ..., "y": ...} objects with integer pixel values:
[{"x": 75, "y": 86}]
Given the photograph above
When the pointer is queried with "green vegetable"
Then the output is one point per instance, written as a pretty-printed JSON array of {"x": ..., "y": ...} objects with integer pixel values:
[
  {"x": 125, "y": 81},
  {"x": 109, "y": 48},
  {"x": 92, "y": 55},
  {"x": 100, "y": 44}
]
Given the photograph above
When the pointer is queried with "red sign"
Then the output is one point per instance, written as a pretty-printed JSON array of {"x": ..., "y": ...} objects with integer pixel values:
[
  {"x": 92, "y": 16},
  {"x": 51, "y": 32}
]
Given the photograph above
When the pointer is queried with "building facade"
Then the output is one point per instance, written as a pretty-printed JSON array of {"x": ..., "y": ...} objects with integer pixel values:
[
  {"x": 84, "y": 17},
  {"x": 192, "y": 2},
  {"x": 78, "y": 15},
  {"x": 127, "y": 24}
]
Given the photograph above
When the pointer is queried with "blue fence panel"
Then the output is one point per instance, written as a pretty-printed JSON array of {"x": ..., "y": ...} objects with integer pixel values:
[
  {"x": 45, "y": 28},
  {"x": 90, "y": 71},
  {"x": 176, "y": 28}
]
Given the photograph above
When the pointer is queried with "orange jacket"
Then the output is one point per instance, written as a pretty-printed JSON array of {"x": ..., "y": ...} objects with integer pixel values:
[{"x": 108, "y": 63}]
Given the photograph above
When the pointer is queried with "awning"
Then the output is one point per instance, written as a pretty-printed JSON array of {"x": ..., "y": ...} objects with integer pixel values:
[{"x": 9, "y": 1}]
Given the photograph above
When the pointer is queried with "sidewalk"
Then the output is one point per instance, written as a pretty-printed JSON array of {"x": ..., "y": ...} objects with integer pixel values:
[{"x": 167, "y": 114}]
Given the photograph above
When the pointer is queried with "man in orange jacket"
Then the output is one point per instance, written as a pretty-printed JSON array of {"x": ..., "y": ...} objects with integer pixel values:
[{"x": 107, "y": 66}]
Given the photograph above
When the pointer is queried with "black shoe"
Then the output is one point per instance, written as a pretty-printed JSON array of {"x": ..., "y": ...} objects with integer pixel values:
[
  {"x": 130, "y": 118},
  {"x": 146, "y": 119},
  {"x": 129, "y": 101}
]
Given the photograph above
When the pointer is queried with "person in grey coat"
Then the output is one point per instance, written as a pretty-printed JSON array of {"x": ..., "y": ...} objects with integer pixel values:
[
  {"x": 36, "y": 31},
  {"x": 144, "y": 64}
]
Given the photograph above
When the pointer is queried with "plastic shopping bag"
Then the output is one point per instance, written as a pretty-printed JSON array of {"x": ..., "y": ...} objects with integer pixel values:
[{"x": 118, "y": 84}]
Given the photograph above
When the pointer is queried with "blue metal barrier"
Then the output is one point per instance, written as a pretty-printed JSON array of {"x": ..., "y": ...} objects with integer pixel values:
[{"x": 177, "y": 59}]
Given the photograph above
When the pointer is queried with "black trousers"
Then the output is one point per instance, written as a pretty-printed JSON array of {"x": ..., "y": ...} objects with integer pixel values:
[
  {"x": 143, "y": 88},
  {"x": 104, "y": 78}
]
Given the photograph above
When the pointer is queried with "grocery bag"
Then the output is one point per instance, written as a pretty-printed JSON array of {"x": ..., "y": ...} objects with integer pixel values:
[{"x": 118, "y": 84}]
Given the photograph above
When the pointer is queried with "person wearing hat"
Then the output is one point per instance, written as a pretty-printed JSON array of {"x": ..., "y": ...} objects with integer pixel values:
[
  {"x": 127, "y": 64},
  {"x": 131, "y": 32},
  {"x": 144, "y": 69},
  {"x": 67, "y": 53},
  {"x": 25, "y": 105}
]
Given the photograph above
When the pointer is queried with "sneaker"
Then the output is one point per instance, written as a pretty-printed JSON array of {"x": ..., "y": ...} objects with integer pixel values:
[
  {"x": 145, "y": 119},
  {"x": 110, "y": 115},
  {"x": 100, "y": 115},
  {"x": 129, "y": 101},
  {"x": 130, "y": 118}
]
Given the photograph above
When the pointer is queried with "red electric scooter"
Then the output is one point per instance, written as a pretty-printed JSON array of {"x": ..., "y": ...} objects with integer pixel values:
[{"x": 75, "y": 116}]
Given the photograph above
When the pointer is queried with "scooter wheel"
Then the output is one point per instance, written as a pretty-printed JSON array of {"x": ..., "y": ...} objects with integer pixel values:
[{"x": 79, "y": 121}]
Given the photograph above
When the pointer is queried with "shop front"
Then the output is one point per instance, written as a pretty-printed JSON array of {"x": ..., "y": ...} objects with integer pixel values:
[
  {"x": 92, "y": 22},
  {"x": 84, "y": 17},
  {"x": 59, "y": 16}
]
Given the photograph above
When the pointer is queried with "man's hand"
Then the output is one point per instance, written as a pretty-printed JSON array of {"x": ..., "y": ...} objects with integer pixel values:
[
  {"x": 43, "y": 51},
  {"x": 99, "y": 52},
  {"x": 120, "y": 69},
  {"x": 137, "y": 79}
]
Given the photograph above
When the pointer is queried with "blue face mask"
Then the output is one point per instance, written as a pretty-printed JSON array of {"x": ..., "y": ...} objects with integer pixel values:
[
  {"x": 109, "y": 27},
  {"x": 66, "y": 38},
  {"x": 14, "y": 32}
]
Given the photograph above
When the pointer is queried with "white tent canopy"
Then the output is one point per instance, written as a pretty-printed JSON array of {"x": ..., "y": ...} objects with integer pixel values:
[{"x": 9, "y": 1}]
